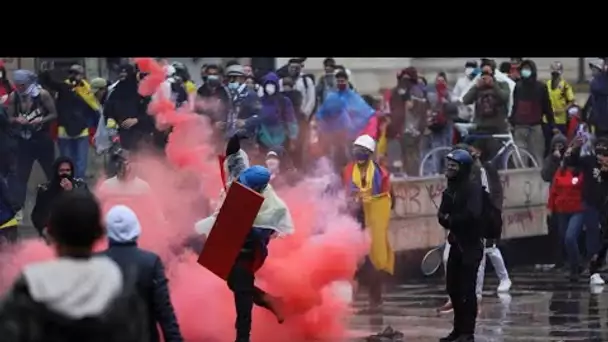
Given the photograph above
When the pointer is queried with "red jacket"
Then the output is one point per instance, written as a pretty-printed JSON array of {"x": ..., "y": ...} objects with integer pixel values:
[{"x": 566, "y": 193}]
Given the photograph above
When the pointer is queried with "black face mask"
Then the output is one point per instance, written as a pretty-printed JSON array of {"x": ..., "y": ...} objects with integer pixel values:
[
  {"x": 555, "y": 74},
  {"x": 572, "y": 159}
]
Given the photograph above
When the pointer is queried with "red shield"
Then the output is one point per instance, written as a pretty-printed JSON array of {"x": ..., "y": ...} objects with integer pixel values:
[{"x": 231, "y": 227}]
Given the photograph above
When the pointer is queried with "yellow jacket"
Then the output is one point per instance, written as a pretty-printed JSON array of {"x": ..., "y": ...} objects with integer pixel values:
[{"x": 560, "y": 97}]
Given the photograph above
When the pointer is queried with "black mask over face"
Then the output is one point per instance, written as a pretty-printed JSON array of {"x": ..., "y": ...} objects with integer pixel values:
[{"x": 572, "y": 159}]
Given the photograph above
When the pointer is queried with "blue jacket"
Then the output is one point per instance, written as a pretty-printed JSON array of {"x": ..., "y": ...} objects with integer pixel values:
[
  {"x": 151, "y": 285},
  {"x": 277, "y": 121}
]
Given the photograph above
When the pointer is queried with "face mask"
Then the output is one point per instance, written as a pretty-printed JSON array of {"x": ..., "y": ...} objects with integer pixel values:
[
  {"x": 342, "y": 86},
  {"x": 273, "y": 165},
  {"x": 526, "y": 73},
  {"x": 65, "y": 175},
  {"x": 555, "y": 74},
  {"x": 233, "y": 85},
  {"x": 31, "y": 90},
  {"x": 270, "y": 89},
  {"x": 468, "y": 71},
  {"x": 361, "y": 156},
  {"x": 213, "y": 80}
]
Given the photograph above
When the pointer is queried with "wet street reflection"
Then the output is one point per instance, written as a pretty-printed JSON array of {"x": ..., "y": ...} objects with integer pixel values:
[{"x": 541, "y": 306}]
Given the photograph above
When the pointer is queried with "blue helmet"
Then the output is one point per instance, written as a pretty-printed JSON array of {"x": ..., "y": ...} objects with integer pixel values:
[
  {"x": 255, "y": 178},
  {"x": 460, "y": 156}
]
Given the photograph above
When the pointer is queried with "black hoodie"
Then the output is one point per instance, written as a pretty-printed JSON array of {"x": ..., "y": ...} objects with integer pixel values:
[
  {"x": 124, "y": 102},
  {"x": 530, "y": 100},
  {"x": 462, "y": 202},
  {"x": 47, "y": 192},
  {"x": 553, "y": 162}
]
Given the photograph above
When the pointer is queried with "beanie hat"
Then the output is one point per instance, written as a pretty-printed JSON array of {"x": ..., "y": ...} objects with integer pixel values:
[{"x": 122, "y": 224}]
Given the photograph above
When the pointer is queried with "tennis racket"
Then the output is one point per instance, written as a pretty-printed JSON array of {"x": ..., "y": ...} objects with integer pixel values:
[{"x": 432, "y": 260}]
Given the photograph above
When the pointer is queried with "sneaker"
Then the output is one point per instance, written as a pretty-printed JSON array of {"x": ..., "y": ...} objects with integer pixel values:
[
  {"x": 504, "y": 286},
  {"x": 596, "y": 289},
  {"x": 596, "y": 279},
  {"x": 446, "y": 308}
]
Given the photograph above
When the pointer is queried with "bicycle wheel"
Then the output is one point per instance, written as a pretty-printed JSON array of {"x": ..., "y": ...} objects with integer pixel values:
[
  {"x": 426, "y": 162},
  {"x": 431, "y": 261},
  {"x": 511, "y": 162}
]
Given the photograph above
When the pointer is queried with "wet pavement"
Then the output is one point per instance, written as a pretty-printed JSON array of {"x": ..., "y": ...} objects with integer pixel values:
[{"x": 541, "y": 306}]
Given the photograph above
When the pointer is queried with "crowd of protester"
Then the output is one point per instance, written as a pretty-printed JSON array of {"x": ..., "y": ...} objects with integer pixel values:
[{"x": 286, "y": 119}]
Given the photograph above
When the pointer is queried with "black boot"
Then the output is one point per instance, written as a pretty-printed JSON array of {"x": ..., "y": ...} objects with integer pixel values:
[
  {"x": 465, "y": 338},
  {"x": 453, "y": 336}
]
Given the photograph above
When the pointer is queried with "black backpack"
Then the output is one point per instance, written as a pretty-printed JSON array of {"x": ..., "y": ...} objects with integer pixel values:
[{"x": 491, "y": 217}]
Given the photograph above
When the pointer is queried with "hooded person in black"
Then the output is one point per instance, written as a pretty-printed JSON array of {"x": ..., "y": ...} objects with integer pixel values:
[
  {"x": 460, "y": 212},
  {"x": 126, "y": 110},
  {"x": 62, "y": 180},
  {"x": 601, "y": 152},
  {"x": 594, "y": 197},
  {"x": 530, "y": 101},
  {"x": 554, "y": 158}
]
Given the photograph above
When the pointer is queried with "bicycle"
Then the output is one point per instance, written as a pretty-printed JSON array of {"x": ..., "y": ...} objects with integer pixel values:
[{"x": 513, "y": 157}]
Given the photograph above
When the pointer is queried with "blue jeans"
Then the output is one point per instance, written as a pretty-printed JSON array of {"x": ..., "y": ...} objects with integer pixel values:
[
  {"x": 39, "y": 148},
  {"x": 591, "y": 220},
  {"x": 570, "y": 227},
  {"x": 76, "y": 149}
]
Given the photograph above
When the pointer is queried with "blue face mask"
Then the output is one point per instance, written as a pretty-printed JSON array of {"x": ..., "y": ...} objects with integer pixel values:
[
  {"x": 526, "y": 73},
  {"x": 233, "y": 85},
  {"x": 361, "y": 156},
  {"x": 476, "y": 72}
]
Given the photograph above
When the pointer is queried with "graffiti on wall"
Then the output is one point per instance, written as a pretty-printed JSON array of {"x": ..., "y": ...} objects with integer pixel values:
[
  {"x": 414, "y": 223},
  {"x": 421, "y": 197}
]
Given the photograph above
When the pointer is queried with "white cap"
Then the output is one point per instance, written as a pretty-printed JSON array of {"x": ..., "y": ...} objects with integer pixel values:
[{"x": 367, "y": 142}]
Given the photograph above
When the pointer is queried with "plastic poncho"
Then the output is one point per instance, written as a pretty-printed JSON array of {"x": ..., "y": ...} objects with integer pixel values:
[
  {"x": 273, "y": 215},
  {"x": 344, "y": 111}
]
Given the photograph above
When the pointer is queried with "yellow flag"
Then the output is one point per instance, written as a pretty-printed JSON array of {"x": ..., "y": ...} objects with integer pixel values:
[{"x": 377, "y": 211}]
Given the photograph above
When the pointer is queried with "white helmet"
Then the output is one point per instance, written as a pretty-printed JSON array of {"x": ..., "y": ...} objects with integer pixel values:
[{"x": 367, "y": 142}]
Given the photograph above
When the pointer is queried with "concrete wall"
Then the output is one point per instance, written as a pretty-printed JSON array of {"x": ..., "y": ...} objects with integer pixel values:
[{"x": 414, "y": 225}]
